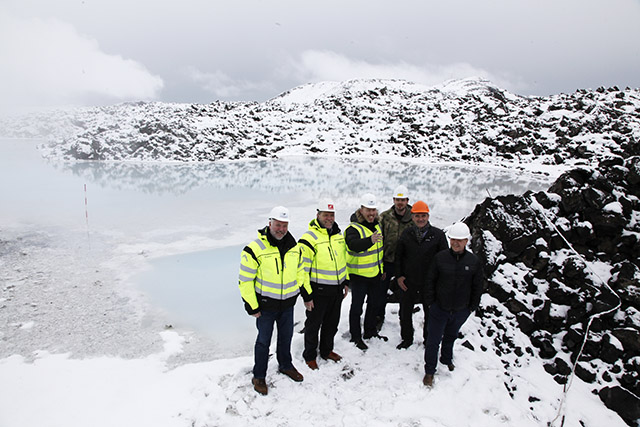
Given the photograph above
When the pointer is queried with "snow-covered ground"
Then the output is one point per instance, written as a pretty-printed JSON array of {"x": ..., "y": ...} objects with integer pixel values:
[
  {"x": 380, "y": 387},
  {"x": 80, "y": 345},
  {"x": 133, "y": 373}
]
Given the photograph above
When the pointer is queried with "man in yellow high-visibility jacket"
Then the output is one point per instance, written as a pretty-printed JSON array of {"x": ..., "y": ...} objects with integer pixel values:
[
  {"x": 325, "y": 255},
  {"x": 271, "y": 278},
  {"x": 365, "y": 266}
]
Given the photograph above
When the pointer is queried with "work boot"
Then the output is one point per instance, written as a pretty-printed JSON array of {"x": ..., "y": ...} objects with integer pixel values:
[
  {"x": 380, "y": 337},
  {"x": 293, "y": 374},
  {"x": 260, "y": 385},
  {"x": 360, "y": 344},
  {"x": 404, "y": 344},
  {"x": 312, "y": 364},
  {"x": 333, "y": 356},
  {"x": 450, "y": 365},
  {"x": 428, "y": 380}
]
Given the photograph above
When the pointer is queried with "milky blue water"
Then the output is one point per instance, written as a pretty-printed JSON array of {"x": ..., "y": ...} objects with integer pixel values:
[{"x": 162, "y": 203}]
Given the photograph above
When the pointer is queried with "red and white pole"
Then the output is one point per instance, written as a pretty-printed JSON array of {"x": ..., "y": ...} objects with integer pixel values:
[{"x": 86, "y": 209}]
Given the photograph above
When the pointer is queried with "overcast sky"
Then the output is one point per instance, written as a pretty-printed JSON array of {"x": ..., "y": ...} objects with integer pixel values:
[{"x": 88, "y": 52}]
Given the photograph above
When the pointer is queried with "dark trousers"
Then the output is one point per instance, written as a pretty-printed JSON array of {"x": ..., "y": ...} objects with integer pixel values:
[
  {"x": 443, "y": 328},
  {"x": 325, "y": 315},
  {"x": 408, "y": 300},
  {"x": 361, "y": 289},
  {"x": 390, "y": 272},
  {"x": 264, "y": 323}
]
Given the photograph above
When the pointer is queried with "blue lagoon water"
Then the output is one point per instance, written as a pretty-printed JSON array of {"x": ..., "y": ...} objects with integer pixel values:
[{"x": 224, "y": 203}]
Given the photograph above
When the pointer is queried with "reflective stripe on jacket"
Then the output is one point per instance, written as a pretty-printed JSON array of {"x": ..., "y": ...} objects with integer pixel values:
[
  {"x": 367, "y": 263},
  {"x": 324, "y": 256},
  {"x": 264, "y": 280}
]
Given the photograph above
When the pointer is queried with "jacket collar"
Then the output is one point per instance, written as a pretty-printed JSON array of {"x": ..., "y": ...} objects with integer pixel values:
[
  {"x": 316, "y": 225},
  {"x": 287, "y": 241}
]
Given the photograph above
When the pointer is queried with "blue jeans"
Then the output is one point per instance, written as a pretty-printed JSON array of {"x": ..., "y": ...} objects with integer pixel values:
[
  {"x": 264, "y": 323},
  {"x": 443, "y": 326}
]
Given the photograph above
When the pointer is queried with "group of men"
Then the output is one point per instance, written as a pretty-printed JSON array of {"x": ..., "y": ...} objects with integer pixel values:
[{"x": 374, "y": 253}]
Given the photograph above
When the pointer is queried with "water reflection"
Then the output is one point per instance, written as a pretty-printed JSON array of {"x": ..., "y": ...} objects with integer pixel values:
[
  {"x": 343, "y": 179},
  {"x": 298, "y": 174}
]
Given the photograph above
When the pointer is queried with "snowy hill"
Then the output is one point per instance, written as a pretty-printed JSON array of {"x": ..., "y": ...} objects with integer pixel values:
[{"x": 462, "y": 120}]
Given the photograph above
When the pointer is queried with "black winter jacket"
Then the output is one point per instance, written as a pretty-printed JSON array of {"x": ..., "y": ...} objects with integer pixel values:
[
  {"x": 454, "y": 281},
  {"x": 413, "y": 257}
]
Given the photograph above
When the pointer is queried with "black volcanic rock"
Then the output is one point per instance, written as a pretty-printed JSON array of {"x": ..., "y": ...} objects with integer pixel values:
[
  {"x": 575, "y": 248},
  {"x": 626, "y": 404},
  {"x": 469, "y": 120}
]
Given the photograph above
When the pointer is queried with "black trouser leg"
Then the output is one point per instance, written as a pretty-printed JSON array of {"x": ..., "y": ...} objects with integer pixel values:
[
  {"x": 330, "y": 324},
  {"x": 358, "y": 295},
  {"x": 407, "y": 302},
  {"x": 373, "y": 304},
  {"x": 311, "y": 328}
]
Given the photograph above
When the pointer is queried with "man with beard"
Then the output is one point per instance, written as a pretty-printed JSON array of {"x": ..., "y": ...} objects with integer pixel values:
[
  {"x": 365, "y": 267},
  {"x": 417, "y": 246},
  {"x": 271, "y": 278},
  {"x": 325, "y": 258},
  {"x": 393, "y": 222}
]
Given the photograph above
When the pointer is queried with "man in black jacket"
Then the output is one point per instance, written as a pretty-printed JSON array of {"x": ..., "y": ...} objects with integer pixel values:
[
  {"x": 453, "y": 291},
  {"x": 417, "y": 246}
]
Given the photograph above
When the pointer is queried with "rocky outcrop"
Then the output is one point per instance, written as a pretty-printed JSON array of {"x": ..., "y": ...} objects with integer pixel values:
[{"x": 565, "y": 264}]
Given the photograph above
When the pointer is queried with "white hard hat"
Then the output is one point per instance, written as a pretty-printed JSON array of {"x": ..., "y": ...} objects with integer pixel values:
[
  {"x": 459, "y": 230},
  {"x": 326, "y": 205},
  {"x": 279, "y": 213},
  {"x": 369, "y": 201},
  {"x": 401, "y": 192}
]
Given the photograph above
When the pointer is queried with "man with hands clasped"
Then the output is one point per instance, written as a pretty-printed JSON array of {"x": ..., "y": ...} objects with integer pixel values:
[
  {"x": 324, "y": 254},
  {"x": 417, "y": 246},
  {"x": 454, "y": 287}
]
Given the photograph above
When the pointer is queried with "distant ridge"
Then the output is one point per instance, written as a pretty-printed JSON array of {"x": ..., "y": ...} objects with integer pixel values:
[{"x": 469, "y": 120}]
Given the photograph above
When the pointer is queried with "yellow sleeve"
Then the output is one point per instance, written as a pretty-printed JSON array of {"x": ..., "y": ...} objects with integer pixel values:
[
  {"x": 307, "y": 258},
  {"x": 304, "y": 267},
  {"x": 246, "y": 280}
]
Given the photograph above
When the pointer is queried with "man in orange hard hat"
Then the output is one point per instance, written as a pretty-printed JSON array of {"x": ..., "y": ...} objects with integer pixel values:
[{"x": 417, "y": 246}]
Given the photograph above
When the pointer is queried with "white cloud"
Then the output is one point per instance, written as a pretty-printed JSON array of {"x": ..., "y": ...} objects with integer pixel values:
[
  {"x": 48, "y": 63},
  {"x": 221, "y": 85},
  {"x": 315, "y": 66}
]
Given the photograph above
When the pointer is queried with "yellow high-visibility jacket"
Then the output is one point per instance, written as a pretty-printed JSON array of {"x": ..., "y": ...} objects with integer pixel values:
[
  {"x": 324, "y": 253},
  {"x": 367, "y": 262},
  {"x": 266, "y": 280}
]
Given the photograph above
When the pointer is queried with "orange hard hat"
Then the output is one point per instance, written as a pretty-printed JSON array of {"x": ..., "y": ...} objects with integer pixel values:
[{"x": 420, "y": 207}]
